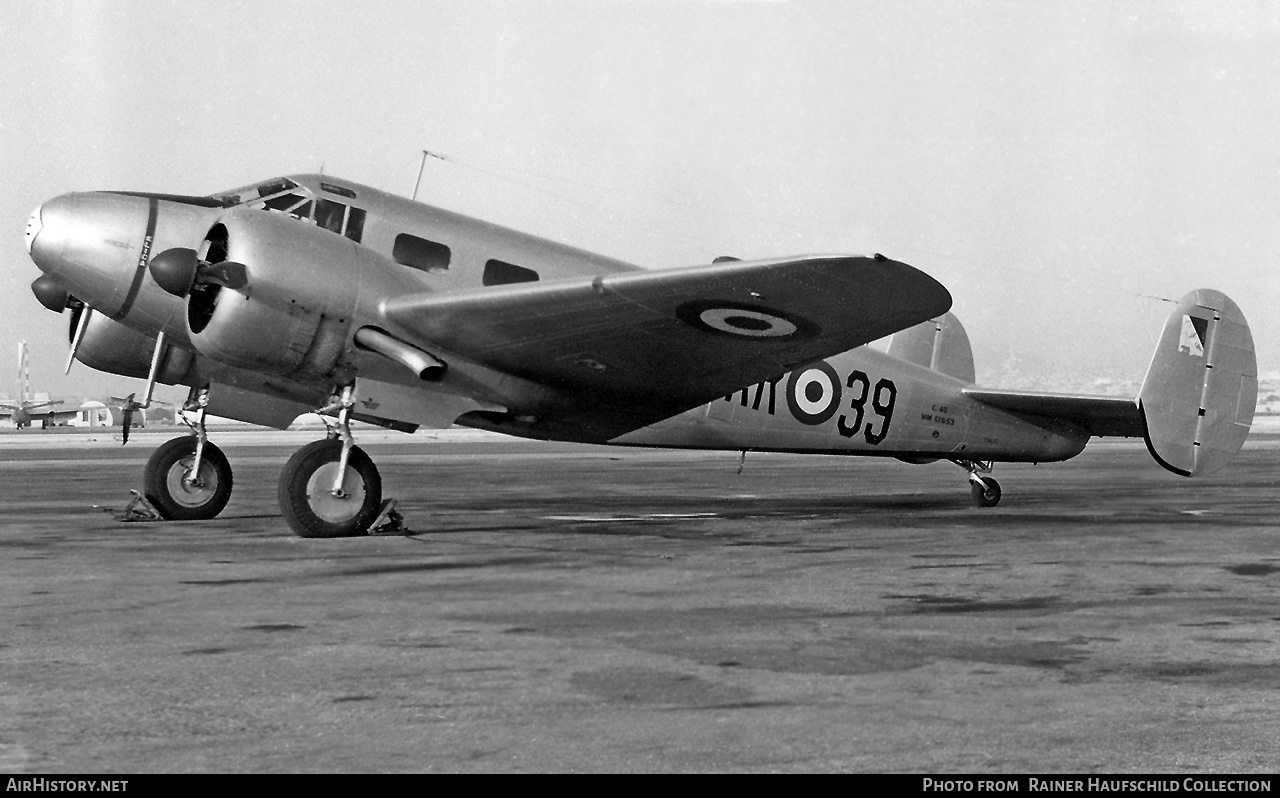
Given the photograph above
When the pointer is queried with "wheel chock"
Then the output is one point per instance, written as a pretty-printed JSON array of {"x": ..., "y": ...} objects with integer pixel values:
[
  {"x": 139, "y": 509},
  {"x": 388, "y": 522}
]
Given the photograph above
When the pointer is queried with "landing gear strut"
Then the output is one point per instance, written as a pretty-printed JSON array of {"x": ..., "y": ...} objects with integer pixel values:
[
  {"x": 189, "y": 478},
  {"x": 985, "y": 490},
  {"x": 330, "y": 488}
]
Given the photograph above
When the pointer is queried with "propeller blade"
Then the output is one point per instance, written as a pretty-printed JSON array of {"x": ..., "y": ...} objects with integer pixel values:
[
  {"x": 179, "y": 269},
  {"x": 80, "y": 325},
  {"x": 126, "y": 417},
  {"x": 228, "y": 274}
]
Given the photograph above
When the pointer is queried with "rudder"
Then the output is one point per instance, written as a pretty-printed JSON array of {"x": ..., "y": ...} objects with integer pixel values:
[{"x": 1198, "y": 398}]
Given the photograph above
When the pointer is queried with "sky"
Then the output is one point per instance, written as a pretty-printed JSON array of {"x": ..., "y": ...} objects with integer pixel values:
[{"x": 1064, "y": 168}]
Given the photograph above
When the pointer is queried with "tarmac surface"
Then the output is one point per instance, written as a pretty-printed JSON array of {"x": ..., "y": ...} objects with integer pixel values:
[{"x": 569, "y": 608}]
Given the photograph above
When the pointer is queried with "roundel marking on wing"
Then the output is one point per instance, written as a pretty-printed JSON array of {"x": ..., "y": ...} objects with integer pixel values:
[
  {"x": 813, "y": 394},
  {"x": 751, "y": 323},
  {"x": 739, "y": 320}
]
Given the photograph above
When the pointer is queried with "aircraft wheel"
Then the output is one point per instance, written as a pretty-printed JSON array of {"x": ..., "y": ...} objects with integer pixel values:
[
  {"x": 165, "y": 486},
  {"x": 310, "y": 508},
  {"x": 988, "y": 496}
]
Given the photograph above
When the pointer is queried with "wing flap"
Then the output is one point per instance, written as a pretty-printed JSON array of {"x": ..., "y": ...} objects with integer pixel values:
[
  {"x": 675, "y": 338},
  {"x": 1102, "y": 416}
]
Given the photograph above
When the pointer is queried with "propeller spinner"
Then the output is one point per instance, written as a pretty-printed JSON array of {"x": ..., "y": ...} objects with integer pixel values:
[{"x": 179, "y": 269}]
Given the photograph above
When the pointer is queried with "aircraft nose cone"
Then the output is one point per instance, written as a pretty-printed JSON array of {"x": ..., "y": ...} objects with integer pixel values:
[
  {"x": 33, "y": 227},
  {"x": 90, "y": 243},
  {"x": 48, "y": 228}
]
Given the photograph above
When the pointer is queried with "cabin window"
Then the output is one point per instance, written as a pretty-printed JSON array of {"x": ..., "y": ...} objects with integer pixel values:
[
  {"x": 497, "y": 272},
  {"x": 421, "y": 254}
]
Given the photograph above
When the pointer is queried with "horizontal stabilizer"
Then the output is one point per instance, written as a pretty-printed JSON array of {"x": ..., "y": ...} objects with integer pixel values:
[
  {"x": 1101, "y": 416},
  {"x": 1200, "y": 392}
]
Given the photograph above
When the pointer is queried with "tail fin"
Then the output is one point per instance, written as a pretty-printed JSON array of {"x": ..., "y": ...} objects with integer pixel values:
[
  {"x": 940, "y": 344},
  {"x": 1198, "y": 398}
]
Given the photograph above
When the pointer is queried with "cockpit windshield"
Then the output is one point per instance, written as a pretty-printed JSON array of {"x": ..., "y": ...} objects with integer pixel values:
[
  {"x": 281, "y": 194},
  {"x": 286, "y": 196}
]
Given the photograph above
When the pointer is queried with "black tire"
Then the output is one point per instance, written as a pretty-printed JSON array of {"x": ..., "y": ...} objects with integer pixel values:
[
  {"x": 988, "y": 496},
  {"x": 172, "y": 496},
  {"x": 309, "y": 508}
]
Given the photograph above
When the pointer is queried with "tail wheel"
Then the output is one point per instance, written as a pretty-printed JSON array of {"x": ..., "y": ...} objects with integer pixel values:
[
  {"x": 306, "y": 492},
  {"x": 987, "y": 495},
  {"x": 166, "y": 486}
]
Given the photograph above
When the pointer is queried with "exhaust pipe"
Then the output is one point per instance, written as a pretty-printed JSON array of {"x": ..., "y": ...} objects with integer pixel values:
[{"x": 426, "y": 366}]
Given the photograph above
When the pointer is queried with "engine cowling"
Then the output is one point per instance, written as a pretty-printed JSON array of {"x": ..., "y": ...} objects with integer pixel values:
[
  {"x": 109, "y": 346},
  {"x": 289, "y": 312}
]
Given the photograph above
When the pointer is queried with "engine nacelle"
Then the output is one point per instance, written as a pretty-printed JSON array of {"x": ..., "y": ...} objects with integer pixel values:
[
  {"x": 290, "y": 313},
  {"x": 109, "y": 346}
]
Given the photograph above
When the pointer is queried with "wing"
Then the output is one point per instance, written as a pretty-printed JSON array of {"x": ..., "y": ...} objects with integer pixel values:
[
  {"x": 36, "y": 407},
  {"x": 1100, "y": 415},
  {"x": 674, "y": 339},
  {"x": 40, "y": 412}
]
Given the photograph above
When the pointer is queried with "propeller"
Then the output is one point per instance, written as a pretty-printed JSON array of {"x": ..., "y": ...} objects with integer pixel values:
[
  {"x": 180, "y": 269},
  {"x": 127, "y": 408},
  {"x": 129, "y": 405},
  {"x": 79, "y": 322}
]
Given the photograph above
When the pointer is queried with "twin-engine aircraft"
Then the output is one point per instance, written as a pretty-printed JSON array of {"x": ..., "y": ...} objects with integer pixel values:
[{"x": 311, "y": 293}]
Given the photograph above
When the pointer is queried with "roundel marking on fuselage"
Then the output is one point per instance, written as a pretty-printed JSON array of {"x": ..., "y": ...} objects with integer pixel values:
[
  {"x": 739, "y": 320},
  {"x": 813, "y": 393}
]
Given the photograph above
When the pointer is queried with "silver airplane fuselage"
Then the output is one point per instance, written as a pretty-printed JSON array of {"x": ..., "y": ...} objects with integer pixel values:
[{"x": 325, "y": 254}]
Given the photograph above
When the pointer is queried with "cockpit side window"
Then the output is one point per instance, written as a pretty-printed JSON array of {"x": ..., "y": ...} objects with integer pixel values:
[
  {"x": 355, "y": 224},
  {"x": 340, "y": 219},
  {"x": 329, "y": 214}
]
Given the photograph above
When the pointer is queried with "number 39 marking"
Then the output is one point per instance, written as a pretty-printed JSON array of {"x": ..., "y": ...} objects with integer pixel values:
[{"x": 882, "y": 400}]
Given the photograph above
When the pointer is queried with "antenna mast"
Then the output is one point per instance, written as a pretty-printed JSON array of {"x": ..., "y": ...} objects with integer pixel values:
[
  {"x": 418, "y": 182},
  {"x": 425, "y": 155}
]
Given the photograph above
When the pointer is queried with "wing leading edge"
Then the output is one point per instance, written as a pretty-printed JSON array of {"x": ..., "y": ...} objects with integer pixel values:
[{"x": 674, "y": 339}]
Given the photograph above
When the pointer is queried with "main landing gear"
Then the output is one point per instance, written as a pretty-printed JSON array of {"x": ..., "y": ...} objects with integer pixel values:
[
  {"x": 985, "y": 490},
  {"x": 330, "y": 488},
  {"x": 189, "y": 478}
]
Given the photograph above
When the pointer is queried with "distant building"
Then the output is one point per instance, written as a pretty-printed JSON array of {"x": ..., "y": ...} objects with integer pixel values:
[{"x": 94, "y": 414}]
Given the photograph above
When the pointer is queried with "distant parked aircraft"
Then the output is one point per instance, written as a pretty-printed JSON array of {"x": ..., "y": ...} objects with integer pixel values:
[{"x": 26, "y": 411}]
